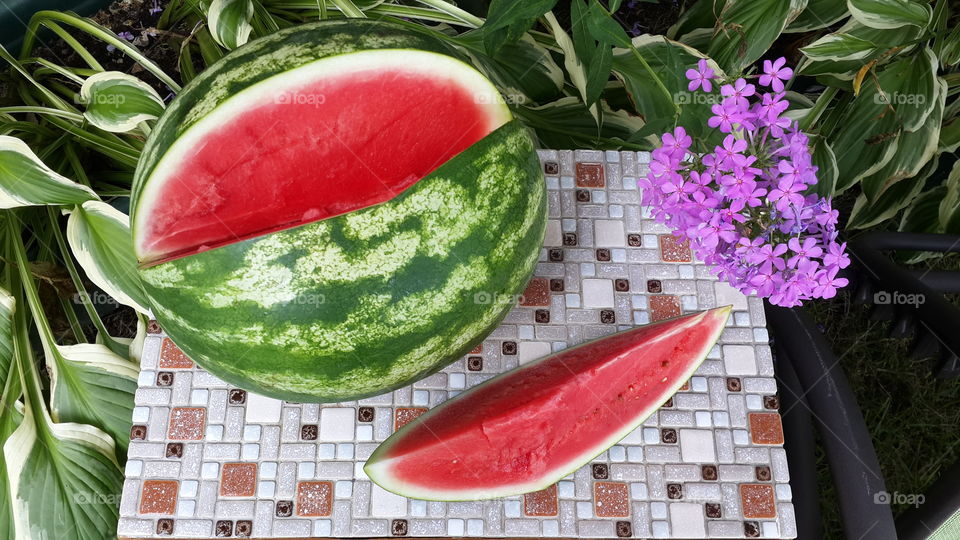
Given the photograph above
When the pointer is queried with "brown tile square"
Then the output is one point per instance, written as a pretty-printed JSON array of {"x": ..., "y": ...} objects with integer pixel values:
[
  {"x": 541, "y": 503},
  {"x": 556, "y": 285},
  {"x": 734, "y": 384},
  {"x": 654, "y": 286},
  {"x": 537, "y": 293},
  {"x": 174, "y": 450},
  {"x": 674, "y": 491},
  {"x": 611, "y": 499},
  {"x": 569, "y": 239},
  {"x": 751, "y": 529},
  {"x": 244, "y": 528},
  {"x": 509, "y": 348},
  {"x": 624, "y": 529},
  {"x": 664, "y": 306},
  {"x": 164, "y": 527},
  {"x": 708, "y": 472},
  {"x": 238, "y": 479},
  {"x": 600, "y": 471},
  {"x": 589, "y": 175},
  {"x": 712, "y": 510},
  {"x": 138, "y": 433},
  {"x": 583, "y": 195},
  {"x": 668, "y": 436},
  {"x": 603, "y": 255},
  {"x": 164, "y": 378},
  {"x": 551, "y": 167},
  {"x": 685, "y": 386},
  {"x": 314, "y": 498},
  {"x": 399, "y": 527},
  {"x": 766, "y": 428},
  {"x": 541, "y": 316},
  {"x": 756, "y": 501},
  {"x": 404, "y": 415},
  {"x": 673, "y": 249},
  {"x": 308, "y": 432},
  {"x": 153, "y": 327},
  {"x": 475, "y": 363},
  {"x": 771, "y": 402},
  {"x": 668, "y": 403},
  {"x": 555, "y": 255},
  {"x": 171, "y": 357},
  {"x": 186, "y": 423},
  {"x": 621, "y": 285},
  {"x": 763, "y": 473},
  {"x": 478, "y": 349},
  {"x": 159, "y": 496},
  {"x": 365, "y": 414},
  {"x": 284, "y": 509},
  {"x": 237, "y": 396},
  {"x": 634, "y": 240},
  {"x": 223, "y": 528},
  {"x": 607, "y": 316}
]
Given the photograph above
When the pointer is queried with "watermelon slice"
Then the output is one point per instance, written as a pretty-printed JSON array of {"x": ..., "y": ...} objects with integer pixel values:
[
  {"x": 327, "y": 138},
  {"x": 532, "y": 426}
]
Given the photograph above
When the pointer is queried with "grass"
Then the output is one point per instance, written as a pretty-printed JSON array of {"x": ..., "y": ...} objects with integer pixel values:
[{"x": 912, "y": 417}]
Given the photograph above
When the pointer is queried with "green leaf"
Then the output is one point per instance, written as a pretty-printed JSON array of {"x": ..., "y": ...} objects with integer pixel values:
[
  {"x": 914, "y": 97},
  {"x": 118, "y": 102},
  {"x": 668, "y": 62},
  {"x": 26, "y": 181},
  {"x": 819, "y": 14},
  {"x": 524, "y": 65},
  {"x": 7, "y": 306},
  {"x": 89, "y": 384},
  {"x": 949, "y": 211},
  {"x": 10, "y": 410},
  {"x": 948, "y": 48},
  {"x": 229, "y": 22},
  {"x": 747, "y": 28},
  {"x": 65, "y": 479},
  {"x": 914, "y": 150},
  {"x": 826, "y": 162},
  {"x": 839, "y": 46},
  {"x": 950, "y": 135},
  {"x": 697, "y": 17},
  {"x": 99, "y": 236},
  {"x": 886, "y": 14},
  {"x": 921, "y": 215},
  {"x": 567, "y": 123},
  {"x": 604, "y": 28},
  {"x": 571, "y": 60},
  {"x": 508, "y": 20},
  {"x": 890, "y": 44},
  {"x": 867, "y": 214}
]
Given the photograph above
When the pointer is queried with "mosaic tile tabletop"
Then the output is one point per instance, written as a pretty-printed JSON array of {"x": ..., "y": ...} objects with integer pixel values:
[{"x": 210, "y": 460}]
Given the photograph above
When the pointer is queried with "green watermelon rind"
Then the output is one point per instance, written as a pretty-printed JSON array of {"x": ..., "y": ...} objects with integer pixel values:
[
  {"x": 354, "y": 304},
  {"x": 378, "y": 470}
]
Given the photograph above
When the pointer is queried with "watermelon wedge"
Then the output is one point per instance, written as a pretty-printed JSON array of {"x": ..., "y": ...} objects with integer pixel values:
[
  {"x": 317, "y": 214},
  {"x": 528, "y": 428}
]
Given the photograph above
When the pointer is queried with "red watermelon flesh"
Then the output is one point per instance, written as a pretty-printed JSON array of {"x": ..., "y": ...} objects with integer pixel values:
[
  {"x": 326, "y": 139},
  {"x": 530, "y": 427}
]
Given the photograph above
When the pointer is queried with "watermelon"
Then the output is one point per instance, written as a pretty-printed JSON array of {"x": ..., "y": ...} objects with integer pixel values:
[
  {"x": 326, "y": 213},
  {"x": 526, "y": 429}
]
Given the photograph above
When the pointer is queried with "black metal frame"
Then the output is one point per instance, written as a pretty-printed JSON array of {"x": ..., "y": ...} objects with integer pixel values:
[{"x": 815, "y": 394}]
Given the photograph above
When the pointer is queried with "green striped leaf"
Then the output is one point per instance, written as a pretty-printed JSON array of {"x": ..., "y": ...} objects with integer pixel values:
[
  {"x": 886, "y": 14},
  {"x": 65, "y": 479},
  {"x": 99, "y": 236},
  {"x": 10, "y": 410},
  {"x": 747, "y": 28},
  {"x": 6, "y": 336},
  {"x": 949, "y": 210},
  {"x": 26, "y": 181},
  {"x": 229, "y": 22},
  {"x": 838, "y": 46},
  {"x": 92, "y": 385},
  {"x": 826, "y": 162},
  {"x": 819, "y": 14},
  {"x": 118, "y": 102},
  {"x": 921, "y": 215}
]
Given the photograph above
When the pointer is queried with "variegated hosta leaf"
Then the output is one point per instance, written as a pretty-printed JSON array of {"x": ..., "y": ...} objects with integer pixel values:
[
  {"x": 914, "y": 97},
  {"x": 6, "y": 336},
  {"x": 118, "y": 102},
  {"x": 889, "y": 45},
  {"x": 826, "y": 162},
  {"x": 65, "y": 480},
  {"x": 92, "y": 385},
  {"x": 747, "y": 28},
  {"x": 885, "y": 14},
  {"x": 99, "y": 236},
  {"x": 838, "y": 46},
  {"x": 574, "y": 66},
  {"x": 566, "y": 123},
  {"x": 819, "y": 14},
  {"x": 914, "y": 150},
  {"x": 10, "y": 410},
  {"x": 525, "y": 65},
  {"x": 921, "y": 215},
  {"x": 949, "y": 48},
  {"x": 26, "y": 181},
  {"x": 949, "y": 211},
  {"x": 229, "y": 21}
]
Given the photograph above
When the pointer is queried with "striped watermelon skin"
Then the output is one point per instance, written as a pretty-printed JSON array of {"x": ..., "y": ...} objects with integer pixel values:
[
  {"x": 366, "y": 302},
  {"x": 268, "y": 56}
]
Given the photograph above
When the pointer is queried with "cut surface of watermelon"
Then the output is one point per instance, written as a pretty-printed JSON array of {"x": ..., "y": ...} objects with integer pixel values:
[
  {"x": 328, "y": 138},
  {"x": 531, "y": 426}
]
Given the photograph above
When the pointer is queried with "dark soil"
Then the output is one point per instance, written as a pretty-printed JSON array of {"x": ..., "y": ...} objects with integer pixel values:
[
  {"x": 637, "y": 16},
  {"x": 133, "y": 20}
]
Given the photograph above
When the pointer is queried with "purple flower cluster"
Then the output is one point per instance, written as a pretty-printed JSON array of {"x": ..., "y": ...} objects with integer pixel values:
[{"x": 744, "y": 206}]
